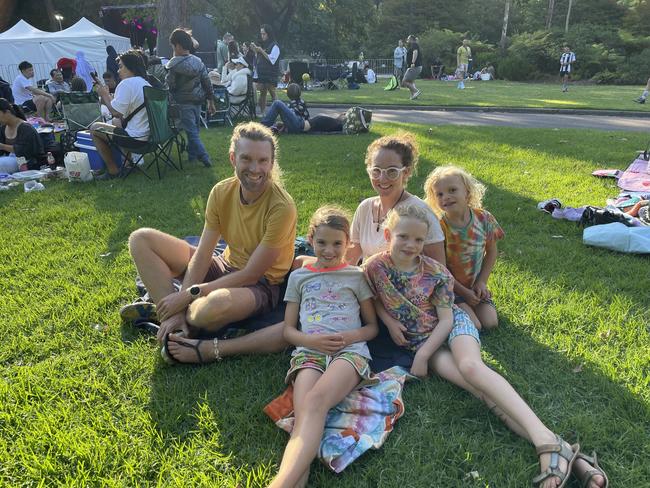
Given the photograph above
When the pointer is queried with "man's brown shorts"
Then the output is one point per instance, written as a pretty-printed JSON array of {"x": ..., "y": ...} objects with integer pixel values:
[{"x": 266, "y": 295}]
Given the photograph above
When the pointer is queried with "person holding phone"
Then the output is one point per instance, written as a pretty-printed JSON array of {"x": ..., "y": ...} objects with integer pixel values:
[{"x": 266, "y": 66}]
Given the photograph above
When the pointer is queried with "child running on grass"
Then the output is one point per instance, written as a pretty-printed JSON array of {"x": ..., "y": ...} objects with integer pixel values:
[
  {"x": 418, "y": 292},
  {"x": 334, "y": 304},
  {"x": 471, "y": 235}
]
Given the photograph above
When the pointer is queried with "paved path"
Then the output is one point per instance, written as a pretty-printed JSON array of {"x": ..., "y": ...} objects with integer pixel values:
[{"x": 530, "y": 120}]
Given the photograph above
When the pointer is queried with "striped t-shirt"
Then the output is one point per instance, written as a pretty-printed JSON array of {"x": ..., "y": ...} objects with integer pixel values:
[{"x": 565, "y": 61}]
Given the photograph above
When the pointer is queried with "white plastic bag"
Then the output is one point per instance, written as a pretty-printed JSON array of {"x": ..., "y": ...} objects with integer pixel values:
[
  {"x": 618, "y": 237},
  {"x": 77, "y": 166}
]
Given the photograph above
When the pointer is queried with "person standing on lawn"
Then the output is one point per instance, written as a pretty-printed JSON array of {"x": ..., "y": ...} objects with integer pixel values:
[
  {"x": 190, "y": 87},
  {"x": 567, "y": 59},
  {"x": 463, "y": 58},
  {"x": 256, "y": 217},
  {"x": 267, "y": 66},
  {"x": 413, "y": 65},
  {"x": 399, "y": 60}
]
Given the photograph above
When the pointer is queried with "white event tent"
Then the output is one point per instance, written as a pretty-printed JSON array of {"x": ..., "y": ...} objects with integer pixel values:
[{"x": 24, "y": 42}]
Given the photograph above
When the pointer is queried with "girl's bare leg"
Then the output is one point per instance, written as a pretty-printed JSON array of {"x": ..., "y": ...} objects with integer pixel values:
[
  {"x": 467, "y": 355},
  {"x": 311, "y": 411}
]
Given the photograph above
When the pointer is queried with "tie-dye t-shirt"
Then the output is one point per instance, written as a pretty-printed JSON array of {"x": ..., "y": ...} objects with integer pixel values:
[
  {"x": 411, "y": 298},
  {"x": 329, "y": 301},
  {"x": 465, "y": 246}
]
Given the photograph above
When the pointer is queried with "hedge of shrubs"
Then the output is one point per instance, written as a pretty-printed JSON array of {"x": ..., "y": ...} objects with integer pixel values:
[{"x": 611, "y": 56}]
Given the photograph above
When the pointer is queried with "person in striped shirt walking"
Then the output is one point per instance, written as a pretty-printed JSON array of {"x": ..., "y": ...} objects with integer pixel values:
[{"x": 567, "y": 58}]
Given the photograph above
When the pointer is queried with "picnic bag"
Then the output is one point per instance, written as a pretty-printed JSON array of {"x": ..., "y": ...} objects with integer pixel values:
[
  {"x": 357, "y": 120},
  {"x": 77, "y": 166}
]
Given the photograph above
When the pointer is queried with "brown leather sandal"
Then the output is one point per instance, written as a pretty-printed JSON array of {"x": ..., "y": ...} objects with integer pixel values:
[
  {"x": 558, "y": 449},
  {"x": 595, "y": 471}
]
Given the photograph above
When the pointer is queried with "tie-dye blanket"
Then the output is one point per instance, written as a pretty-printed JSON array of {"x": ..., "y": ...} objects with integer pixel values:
[{"x": 360, "y": 422}]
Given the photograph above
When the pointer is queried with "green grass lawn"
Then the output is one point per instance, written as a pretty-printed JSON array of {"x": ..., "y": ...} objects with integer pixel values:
[
  {"x": 87, "y": 401},
  {"x": 489, "y": 94}
]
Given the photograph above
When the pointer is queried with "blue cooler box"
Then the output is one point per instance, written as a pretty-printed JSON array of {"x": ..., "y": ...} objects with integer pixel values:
[{"x": 86, "y": 145}]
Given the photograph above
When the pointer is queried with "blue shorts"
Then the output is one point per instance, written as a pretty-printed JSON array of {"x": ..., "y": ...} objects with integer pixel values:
[{"x": 463, "y": 325}]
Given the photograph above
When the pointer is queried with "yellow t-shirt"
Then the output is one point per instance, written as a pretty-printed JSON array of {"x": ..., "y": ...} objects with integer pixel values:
[
  {"x": 464, "y": 53},
  {"x": 270, "y": 221}
]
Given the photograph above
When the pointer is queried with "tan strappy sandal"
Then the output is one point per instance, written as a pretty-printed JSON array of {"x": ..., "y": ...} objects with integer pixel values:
[
  {"x": 595, "y": 471},
  {"x": 556, "y": 450}
]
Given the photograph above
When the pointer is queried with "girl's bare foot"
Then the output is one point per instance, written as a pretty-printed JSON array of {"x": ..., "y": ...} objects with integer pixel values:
[{"x": 587, "y": 468}]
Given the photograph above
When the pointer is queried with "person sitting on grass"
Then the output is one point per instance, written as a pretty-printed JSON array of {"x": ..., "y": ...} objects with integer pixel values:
[
  {"x": 28, "y": 96},
  {"x": 295, "y": 116},
  {"x": 329, "y": 317},
  {"x": 418, "y": 292},
  {"x": 18, "y": 139},
  {"x": 127, "y": 109},
  {"x": 471, "y": 235},
  {"x": 256, "y": 217}
]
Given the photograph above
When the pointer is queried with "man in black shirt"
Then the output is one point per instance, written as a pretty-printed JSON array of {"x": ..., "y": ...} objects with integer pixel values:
[{"x": 413, "y": 65}]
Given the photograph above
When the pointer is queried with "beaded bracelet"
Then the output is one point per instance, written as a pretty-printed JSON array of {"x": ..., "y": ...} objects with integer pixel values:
[{"x": 217, "y": 356}]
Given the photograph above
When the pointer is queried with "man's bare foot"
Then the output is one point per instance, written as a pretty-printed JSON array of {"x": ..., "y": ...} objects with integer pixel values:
[
  {"x": 586, "y": 466},
  {"x": 191, "y": 351}
]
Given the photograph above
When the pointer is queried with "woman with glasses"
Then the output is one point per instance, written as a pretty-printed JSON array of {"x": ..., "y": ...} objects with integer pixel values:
[{"x": 390, "y": 162}]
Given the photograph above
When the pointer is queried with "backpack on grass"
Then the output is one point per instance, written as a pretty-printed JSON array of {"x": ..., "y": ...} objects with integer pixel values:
[
  {"x": 357, "y": 120},
  {"x": 392, "y": 84}
]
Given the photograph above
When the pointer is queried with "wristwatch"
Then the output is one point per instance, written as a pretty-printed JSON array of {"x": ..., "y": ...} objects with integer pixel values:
[{"x": 195, "y": 291}]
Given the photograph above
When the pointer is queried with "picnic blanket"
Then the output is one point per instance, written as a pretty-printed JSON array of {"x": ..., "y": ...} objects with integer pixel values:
[
  {"x": 636, "y": 177},
  {"x": 361, "y": 421}
]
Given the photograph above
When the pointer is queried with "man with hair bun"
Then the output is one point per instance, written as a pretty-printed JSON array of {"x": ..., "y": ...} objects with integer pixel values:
[{"x": 256, "y": 217}]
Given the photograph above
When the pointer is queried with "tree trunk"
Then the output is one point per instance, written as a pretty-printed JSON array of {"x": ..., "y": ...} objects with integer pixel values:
[
  {"x": 504, "y": 29},
  {"x": 170, "y": 15},
  {"x": 49, "y": 8},
  {"x": 568, "y": 15},
  {"x": 7, "y": 8},
  {"x": 549, "y": 13}
]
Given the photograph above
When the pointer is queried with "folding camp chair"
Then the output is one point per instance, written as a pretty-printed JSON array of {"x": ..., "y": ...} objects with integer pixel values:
[
  {"x": 246, "y": 108},
  {"x": 222, "y": 106},
  {"x": 162, "y": 136},
  {"x": 79, "y": 111}
]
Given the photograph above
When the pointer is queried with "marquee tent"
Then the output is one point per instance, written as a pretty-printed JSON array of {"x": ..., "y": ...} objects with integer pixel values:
[{"x": 24, "y": 42}]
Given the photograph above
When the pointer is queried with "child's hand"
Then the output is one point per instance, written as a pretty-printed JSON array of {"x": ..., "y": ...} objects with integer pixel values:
[
  {"x": 481, "y": 291},
  {"x": 471, "y": 297},
  {"x": 326, "y": 343},
  {"x": 396, "y": 331},
  {"x": 420, "y": 366}
]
